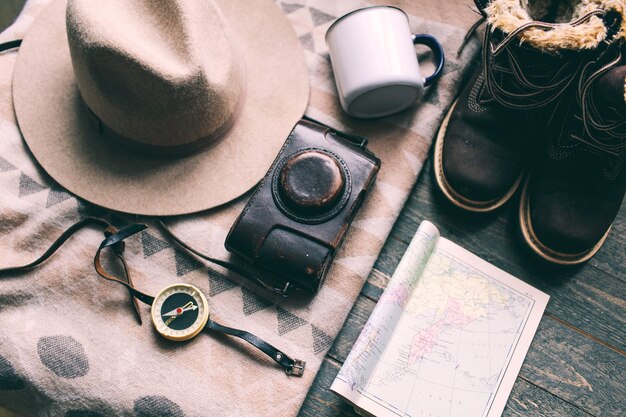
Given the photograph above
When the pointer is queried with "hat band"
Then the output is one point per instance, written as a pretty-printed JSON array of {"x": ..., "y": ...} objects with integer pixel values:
[{"x": 177, "y": 151}]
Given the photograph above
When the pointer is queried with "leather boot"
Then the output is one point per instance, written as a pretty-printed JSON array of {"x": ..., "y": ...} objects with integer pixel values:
[
  {"x": 575, "y": 192},
  {"x": 528, "y": 63}
]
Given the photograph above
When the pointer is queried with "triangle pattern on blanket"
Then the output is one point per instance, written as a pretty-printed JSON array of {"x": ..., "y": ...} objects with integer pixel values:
[
  {"x": 218, "y": 283},
  {"x": 307, "y": 42},
  {"x": 185, "y": 263},
  {"x": 6, "y": 165},
  {"x": 306, "y": 330},
  {"x": 10, "y": 380},
  {"x": 253, "y": 302},
  {"x": 151, "y": 244},
  {"x": 321, "y": 341},
  {"x": 29, "y": 186},
  {"x": 290, "y": 7},
  {"x": 55, "y": 196},
  {"x": 287, "y": 321},
  {"x": 319, "y": 17}
]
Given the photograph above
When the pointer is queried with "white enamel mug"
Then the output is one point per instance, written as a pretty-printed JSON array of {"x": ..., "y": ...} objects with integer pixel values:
[{"x": 374, "y": 61}]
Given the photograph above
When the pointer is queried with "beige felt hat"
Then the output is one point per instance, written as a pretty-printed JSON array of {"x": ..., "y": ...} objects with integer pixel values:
[{"x": 159, "y": 107}]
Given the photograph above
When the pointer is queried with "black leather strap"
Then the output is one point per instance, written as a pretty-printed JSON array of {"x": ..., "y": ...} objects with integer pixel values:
[
  {"x": 293, "y": 367},
  {"x": 89, "y": 221},
  {"x": 110, "y": 230},
  {"x": 10, "y": 45},
  {"x": 114, "y": 239},
  {"x": 244, "y": 272}
]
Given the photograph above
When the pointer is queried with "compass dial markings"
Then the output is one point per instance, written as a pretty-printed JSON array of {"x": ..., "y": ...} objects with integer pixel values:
[{"x": 180, "y": 312}]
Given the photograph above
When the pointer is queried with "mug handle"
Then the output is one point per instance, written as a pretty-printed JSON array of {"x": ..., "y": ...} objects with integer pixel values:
[{"x": 434, "y": 45}]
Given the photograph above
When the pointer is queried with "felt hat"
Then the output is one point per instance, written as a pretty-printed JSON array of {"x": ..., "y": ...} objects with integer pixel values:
[{"x": 159, "y": 107}]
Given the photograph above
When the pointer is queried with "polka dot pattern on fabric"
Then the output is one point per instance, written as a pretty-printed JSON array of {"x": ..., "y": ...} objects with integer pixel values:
[
  {"x": 157, "y": 406},
  {"x": 63, "y": 355},
  {"x": 9, "y": 379}
]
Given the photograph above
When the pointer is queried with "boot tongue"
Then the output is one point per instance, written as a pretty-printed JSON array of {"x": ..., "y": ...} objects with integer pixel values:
[{"x": 609, "y": 89}]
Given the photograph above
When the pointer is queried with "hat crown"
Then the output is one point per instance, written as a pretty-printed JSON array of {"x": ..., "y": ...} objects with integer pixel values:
[{"x": 159, "y": 72}]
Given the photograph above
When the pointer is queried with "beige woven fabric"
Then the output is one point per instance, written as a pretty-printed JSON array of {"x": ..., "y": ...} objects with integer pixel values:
[{"x": 69, "y": 344}]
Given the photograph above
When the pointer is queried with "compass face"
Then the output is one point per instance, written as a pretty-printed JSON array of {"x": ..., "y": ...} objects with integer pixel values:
[{"x": 180, "y": 312}]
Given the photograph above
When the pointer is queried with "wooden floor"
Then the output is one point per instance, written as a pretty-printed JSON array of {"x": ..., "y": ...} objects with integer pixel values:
[{"x": 576, "y": 365}]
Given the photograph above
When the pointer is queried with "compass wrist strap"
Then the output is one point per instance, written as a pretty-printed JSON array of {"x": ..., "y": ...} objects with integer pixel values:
[{"x": 292, "y": 366}]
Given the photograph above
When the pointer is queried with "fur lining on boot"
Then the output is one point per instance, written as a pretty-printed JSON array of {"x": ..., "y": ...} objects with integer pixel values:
[
  {"x": 537, "y": 9},
  {"x": 508, "y": 15}
]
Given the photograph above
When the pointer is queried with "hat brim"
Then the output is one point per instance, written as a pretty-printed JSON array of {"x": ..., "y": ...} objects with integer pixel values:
[{"x": 56, "y": 127}]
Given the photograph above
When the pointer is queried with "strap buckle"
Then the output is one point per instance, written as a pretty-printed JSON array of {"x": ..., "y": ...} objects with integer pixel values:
[
  {"x": 297, "y": 369},
  {"x": 283, "y": 292}
]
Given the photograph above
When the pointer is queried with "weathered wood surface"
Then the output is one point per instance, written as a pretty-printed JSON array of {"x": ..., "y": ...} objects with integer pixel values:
[
  {"x": 588, "y": 297},
  {"x": 576, "y": 365}
]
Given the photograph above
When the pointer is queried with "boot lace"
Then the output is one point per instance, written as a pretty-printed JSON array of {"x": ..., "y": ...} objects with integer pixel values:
[
  {"x": 526, "y": 94},
  {"x": 508, "y": 82},
  {"x": 600, "y": 129}
]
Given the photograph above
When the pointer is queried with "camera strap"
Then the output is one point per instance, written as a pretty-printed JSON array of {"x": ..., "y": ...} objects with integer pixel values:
[
  {"x": 118, "y": 248},
  {"x": 238, "y": 269},
  {"x": 114, "y": 239}
]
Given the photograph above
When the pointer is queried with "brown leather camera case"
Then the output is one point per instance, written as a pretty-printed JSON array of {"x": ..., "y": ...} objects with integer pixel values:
[{"x": 298, "y": 215}]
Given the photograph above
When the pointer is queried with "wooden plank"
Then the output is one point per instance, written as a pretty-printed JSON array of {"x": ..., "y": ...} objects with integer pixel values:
[
  {"x": 526, "y": 399},
  {"x": 610, "y": 258},
  {"x": 320, "y": 401},
  {"x": 375, "y": 284},
  {"x": 577, "y": 369},
  {"x": 561, "y": 361},
  {"x": 587, "y": 297},
  {"x": 352, "y": 327},
  {"x": 395, "y": 246}
]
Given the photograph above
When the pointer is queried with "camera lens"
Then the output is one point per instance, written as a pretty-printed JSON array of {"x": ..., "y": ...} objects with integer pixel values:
[{"x": 311, "y": 181}]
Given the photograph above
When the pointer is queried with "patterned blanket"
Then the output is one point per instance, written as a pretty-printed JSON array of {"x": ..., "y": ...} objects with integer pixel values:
[{"x": 70, "y": 345}]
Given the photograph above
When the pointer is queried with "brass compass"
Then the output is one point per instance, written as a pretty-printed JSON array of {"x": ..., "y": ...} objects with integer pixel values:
[{"x": 179, "y": 312}]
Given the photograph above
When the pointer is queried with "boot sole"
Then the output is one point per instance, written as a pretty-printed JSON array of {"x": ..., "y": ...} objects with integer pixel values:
[
  {"x": 543, "y": 250},
  {"x": 451, "y": 194}
]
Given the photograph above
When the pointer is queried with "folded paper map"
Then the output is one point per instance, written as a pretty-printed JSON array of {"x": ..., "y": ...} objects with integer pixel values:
[{"x": 447, "y": 337}]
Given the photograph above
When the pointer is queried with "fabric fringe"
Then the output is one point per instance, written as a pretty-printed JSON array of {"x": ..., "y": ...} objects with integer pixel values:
[{"x": 508, "y": 15}]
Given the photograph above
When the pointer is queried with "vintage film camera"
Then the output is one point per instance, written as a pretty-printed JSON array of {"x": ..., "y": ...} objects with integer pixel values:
[{"x": 299, "y": 213}]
